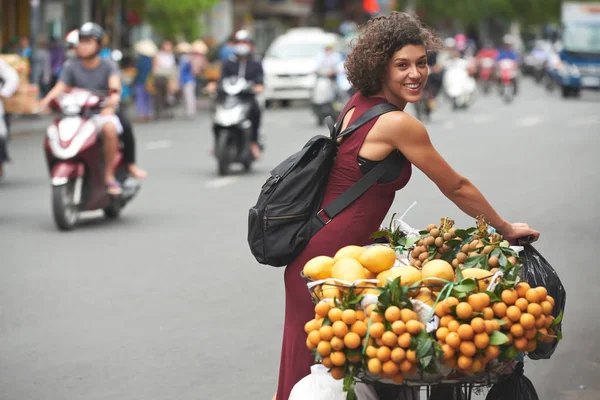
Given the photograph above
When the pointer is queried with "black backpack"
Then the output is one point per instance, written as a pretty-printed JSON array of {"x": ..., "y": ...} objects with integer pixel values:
[{"x": 288, "y": 214}]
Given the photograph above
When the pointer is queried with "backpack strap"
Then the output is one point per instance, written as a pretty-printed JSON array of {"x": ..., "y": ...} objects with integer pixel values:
[
  {"x": 361, "y": 186},
  {"x": 368, "y": 115}
]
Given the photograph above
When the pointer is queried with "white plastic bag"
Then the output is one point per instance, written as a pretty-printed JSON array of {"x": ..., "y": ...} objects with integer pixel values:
[{"x": 319, "y": 385}]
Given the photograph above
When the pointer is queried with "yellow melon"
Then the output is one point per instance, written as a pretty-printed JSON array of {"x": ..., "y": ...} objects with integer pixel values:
[
  {"x": 329, "y": 291},
  {"x": 350, "y": 252},
  {"x": 383, "y": 277},
  {"x": 319, "y": 268},
  {"x": 426, "y": 296},
  {"x": 408, "y": 274},
  {"x": 437, "y": 269},
  {"x": 348, "y": 269},
  {"x": 484, "y": 278},
  {"x": 378, "y": 258}
]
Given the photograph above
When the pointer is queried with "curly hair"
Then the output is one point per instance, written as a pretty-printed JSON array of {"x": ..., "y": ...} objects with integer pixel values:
[{"x": 376, "y": 44}]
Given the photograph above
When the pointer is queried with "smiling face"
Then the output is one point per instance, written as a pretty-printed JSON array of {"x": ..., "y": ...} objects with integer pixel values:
[{"x": 406, "y": 75}]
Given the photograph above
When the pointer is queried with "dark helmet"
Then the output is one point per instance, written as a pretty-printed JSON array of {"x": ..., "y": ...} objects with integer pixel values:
[{"x": 90, "y": 29}]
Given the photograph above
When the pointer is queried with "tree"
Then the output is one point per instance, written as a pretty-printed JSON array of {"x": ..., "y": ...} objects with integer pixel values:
[{"x": 171, "y": 18}]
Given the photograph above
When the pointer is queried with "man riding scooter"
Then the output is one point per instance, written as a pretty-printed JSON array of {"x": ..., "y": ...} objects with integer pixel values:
[
  {"x": 243, "y": 64},
  {"x": 507, "y": 52},
  {"x": 92, "y": 72}
]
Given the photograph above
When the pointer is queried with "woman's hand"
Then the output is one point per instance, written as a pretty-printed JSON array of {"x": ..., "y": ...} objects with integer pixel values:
[{"x": 518, "y": 230}]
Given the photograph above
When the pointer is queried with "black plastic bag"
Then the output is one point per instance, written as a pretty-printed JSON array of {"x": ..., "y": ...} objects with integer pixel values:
[
  {"x": 538, "y": 272},
  {"x": 515, "y": 387}
]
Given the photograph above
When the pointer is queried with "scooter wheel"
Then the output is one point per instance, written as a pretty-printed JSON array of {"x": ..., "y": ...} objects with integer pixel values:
[{"x": 65, "y": 213}]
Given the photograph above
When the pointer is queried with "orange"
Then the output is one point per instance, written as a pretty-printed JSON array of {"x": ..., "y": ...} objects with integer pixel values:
[
  {"x": 531, "y": 346},
  {"x": 390, "y": 369},
  {"x": 517, "y": 330},
  {"x": 352, "y": 340},
  {"x": 360, "y": 315},
  {"x": 364, "y": 342},
  {"x": 492, "y": 352},
  {"x": 510, "y": 338},
  {"x": 398, "y": 328},
  {"x": 540, "y": 322},
  {"x": 482, "y": 340},
  {"x": 521, "y": 343},
  {"x": 360, "y": 328},
  {"x": 527, "y": 321},
  {"x": 322, "y": 309},
  {"x": 488, "y": 313},
  {"x": 337, "y": 344},
  {"x": 464, "y": 310},
  {"x": 414, "y": 327},
  {"x": 374, "y": 366},
  {"x": 509, "y": 296},
  {"x": 464, "y": 362},
  {"x": 441, "y": 333},
  {"x": 453, "y": 340},
  {"x": 550, "y": 299},
  {"x": 542, "y": 292},
  {"x": 546, "y": 307},
  {"x": 507, "y": 323},
  {"x": 371, "y": 351},
  {"x": 398, "y": 355},
  {"x": 340, "y": 329},
  {"x": 445, "y": 320},
  {"x": 326, "y": 332},
  {"x": 439, "y": 310},
  {"x": 406, "y": 366},
  {"x": 489, "y": 326},
  {"x": 327, "y": 362},
  {"x": 499, "y": 309},
  {"x": 522, "y": 288},
  {"x": 369, "y": 309},
  {"x": 522, "y": 304},
  {"x": 449, "y": 302},
  {"x": 376, "y": 317},
  {"x": 549, "y": 320},
  {"x": 407, "y": 315},
  {"x": 335, "y": 314},
  {"x": 389, "y": 338},
  {"x": 513, "y": 313},
  {"x": 479, "y": 301},
  {"x": 398, "y": 378},
  {"x": 535, "y": 310},
  {"x": 310, "y": 326},
  {"x": 405, "y": 340},
  {"x": 324, "y": 349},
  {"x": 384, "y": 353},
  {"x": 338, "y": 358},
  {"x": 337, "y": 373},
  {"x": 453, "y": 326},
  {"x": 532, "y": 296},
  {"x": 349, "y": 316},
  {"x": 314, "y": 337},
  {"x": 411, "y": 355},
  {"x": 377, "y": 330},
  {"x": 477, "y": 366},
  {"x": 451, "y": 363},
  {"x": 531, "y": 333},
  {"x": 449, "y": 352},
  {"x": 355, "y": 358},
  {"x": 392, "y": 314},
  {"x": 310, "y": 345},
  {"x": 478, "y": 325},
  {"x": 465, "y": 332},
  {"x": 468, "y": 349}
]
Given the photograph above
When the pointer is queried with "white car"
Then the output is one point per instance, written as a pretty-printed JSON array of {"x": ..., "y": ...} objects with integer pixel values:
[{"x": 290, "y": 64}]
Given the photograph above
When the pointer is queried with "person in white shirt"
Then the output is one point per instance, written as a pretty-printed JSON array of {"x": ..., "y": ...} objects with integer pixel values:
[{"x": 9, "y": 80}]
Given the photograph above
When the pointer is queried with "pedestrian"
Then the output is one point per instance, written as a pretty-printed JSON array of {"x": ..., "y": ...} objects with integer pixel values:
[
  {"x": 164, "y": 71},
  {"x": 187, "y": 80},
  {"x": 387, "y": 64},
  {"x": 199, "y": 63},
  {"x": 57, "y": 57},
  {"x": 146, "y": 50},
  {"x": 9, "y": 80},
  {"x": 41, "y": 68}
]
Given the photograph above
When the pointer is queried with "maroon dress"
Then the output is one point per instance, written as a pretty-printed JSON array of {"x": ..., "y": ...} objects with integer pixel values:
[{"x": 353, "y": 226}]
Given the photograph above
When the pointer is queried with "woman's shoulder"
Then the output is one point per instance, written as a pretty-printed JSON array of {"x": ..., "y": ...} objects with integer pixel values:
[{"x": 399, "y": 124}]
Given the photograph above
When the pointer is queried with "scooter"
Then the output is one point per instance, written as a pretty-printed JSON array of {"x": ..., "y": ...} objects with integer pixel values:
[
  {"x": 232, "y": 124},
  {"x": 74, "y": 155},
  {"x": 486, "y": 73},
  {"x": 458, "y": 84},
  {"x": 507, "y": 71}
]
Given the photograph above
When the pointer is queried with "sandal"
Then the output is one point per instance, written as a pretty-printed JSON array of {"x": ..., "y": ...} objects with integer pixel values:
[{"x": 114, "y": 188}]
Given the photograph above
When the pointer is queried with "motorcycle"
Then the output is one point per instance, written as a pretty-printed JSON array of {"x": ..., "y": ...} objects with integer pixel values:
[
  {"x": 231, "y": 122},
  {"x": 458, "y": 84},
  {"x": 74, "y": 155},
  {"x": 507, "y": 71},
  {"x": 486, "y": 73},
  {"x": 323, "y": 98}
]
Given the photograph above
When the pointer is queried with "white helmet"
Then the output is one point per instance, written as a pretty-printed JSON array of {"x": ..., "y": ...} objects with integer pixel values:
[
  {"x": 243, "y": 35},
  {"x": 72, "y": 38},
  {"x": 508, "y": 39},
  {"x": 450, "y": 42}
]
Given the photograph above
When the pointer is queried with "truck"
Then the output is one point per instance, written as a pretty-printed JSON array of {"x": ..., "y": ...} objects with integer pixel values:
[{"x": 580, "y": 54}]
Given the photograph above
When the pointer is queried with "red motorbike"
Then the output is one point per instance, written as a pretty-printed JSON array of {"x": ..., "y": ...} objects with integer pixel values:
[
  {"x": 486, "y": 73},
  {"x": 507, "y": 71},
  {"x": 73, "y": 148}
]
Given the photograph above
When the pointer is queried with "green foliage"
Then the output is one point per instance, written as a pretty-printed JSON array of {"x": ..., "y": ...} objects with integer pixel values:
[{"x": 173, "y": 18}]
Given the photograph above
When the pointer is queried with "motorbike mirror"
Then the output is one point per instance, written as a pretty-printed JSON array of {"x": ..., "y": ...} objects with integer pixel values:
[{"x": 116, "y": 55}]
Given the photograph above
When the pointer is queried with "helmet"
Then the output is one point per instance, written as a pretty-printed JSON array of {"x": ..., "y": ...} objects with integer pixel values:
[
  {"x": 508, "y": 40},
  {"x": 72, "y": 38},
  {"x": 243, "y": 35},
  {"x": 90, "y": 29},
  {"x": 450, "y": 42}
]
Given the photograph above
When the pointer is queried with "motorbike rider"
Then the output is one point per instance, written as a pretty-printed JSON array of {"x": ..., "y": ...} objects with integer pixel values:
[
  {"x": 244, "y": 64},
  {"x": 507, "y": 52},
  {"x": 93, "y": 73},
  {"x": 9, "y": 80}
]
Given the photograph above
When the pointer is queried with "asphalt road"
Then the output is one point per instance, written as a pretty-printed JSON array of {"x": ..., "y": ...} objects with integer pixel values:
[{"x": 168, "y": 303}]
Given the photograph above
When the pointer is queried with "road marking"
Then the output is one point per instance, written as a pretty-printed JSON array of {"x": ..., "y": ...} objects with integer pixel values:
[
  {"x": 159, "y": 144},
  {"x": 529, "y": 122},
  {"x": 221, "y": 182}
]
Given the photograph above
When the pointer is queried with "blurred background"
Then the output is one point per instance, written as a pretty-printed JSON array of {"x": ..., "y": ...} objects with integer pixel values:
[{"x": 167, "y": 302}]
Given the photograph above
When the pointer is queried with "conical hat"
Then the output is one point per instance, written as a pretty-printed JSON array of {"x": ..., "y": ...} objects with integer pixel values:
[
  {"x": 146, "y": 47},
  {"x": 198, "y": 46}
]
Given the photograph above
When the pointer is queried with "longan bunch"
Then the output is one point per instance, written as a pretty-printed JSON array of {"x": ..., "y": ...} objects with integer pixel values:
[
  {"x": 336, "y": 335},
  {"x": 479, "y": 246},
  {"x": 391, "y": 351},
  {"x": 527, "y": 313},
  {"x": 464, "y": 333},
  {"x": 438, "y": 238}
]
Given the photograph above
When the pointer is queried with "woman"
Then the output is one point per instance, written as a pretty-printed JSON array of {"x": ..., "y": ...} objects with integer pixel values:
[
  {"x": 164, "y": 70},
  {"x": 146, "y": 49},
  {"x": 41, "y": 66},
  {"x": 187, "y": 80},
  {"x": 387, "y": 64}
]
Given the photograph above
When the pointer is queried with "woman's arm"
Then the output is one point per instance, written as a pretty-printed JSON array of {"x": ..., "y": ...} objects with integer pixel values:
[{"x": 414, "y": 143}]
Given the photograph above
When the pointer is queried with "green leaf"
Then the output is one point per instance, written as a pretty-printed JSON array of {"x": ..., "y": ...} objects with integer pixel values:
[
  {"x": 511, "y": 353},
  {"x": 380, "y": 234},
  {"x": 557, "y": 320},
  {"x": 424, "y": 347},
  {"x": 327, "y": 322},
  {"x": 496, "y": 252},
  {"x": 503, "y": 260},
  {"x": 425, "y": 361},
  {"x": 452, "y": 243},
  {"x": 459, "y": 275},
  {"x": 494, "y": 298},
  {"x": 466, "y": 285},
  {"x": 501, "y": 321},
  {"x": 410, "y": 242},
  {"x": 348, "y": 384},
  {"x": 559, "y": 335},
  {"x": 498, "y": 338},
  {"x": 473, "y": 261},
  {"x": 385, "y": 297}
]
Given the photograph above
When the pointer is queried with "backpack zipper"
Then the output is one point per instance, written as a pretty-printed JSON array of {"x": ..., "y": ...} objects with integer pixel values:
[{"x": 282, "y": 217}]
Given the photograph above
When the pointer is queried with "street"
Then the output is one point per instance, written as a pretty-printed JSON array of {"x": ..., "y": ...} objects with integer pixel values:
[{"x": 168, "y": 303}]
